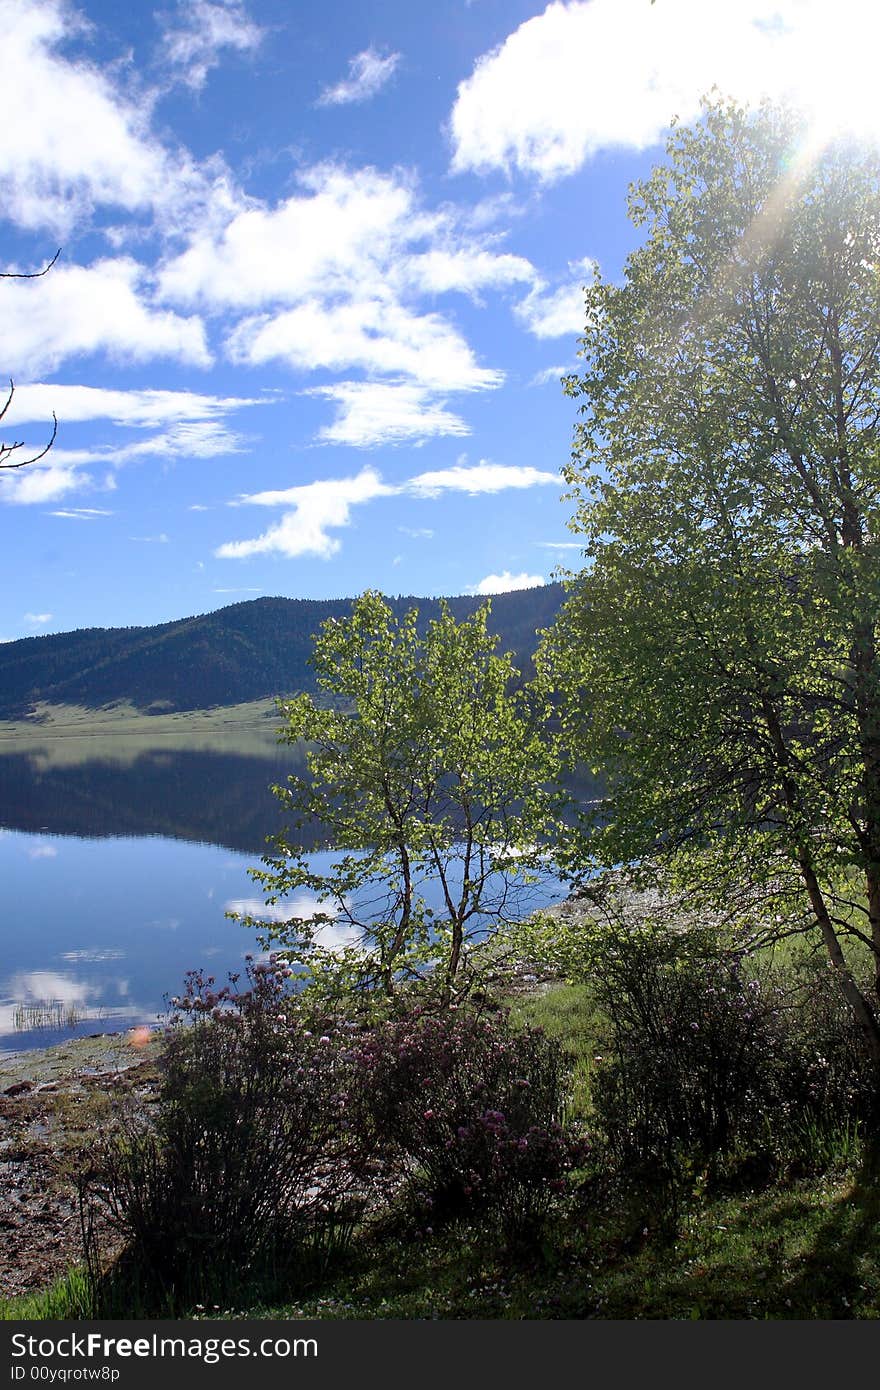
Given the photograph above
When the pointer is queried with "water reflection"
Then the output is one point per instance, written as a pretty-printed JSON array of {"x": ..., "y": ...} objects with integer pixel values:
[
  {"x": 96, "y": 936},
  {"x": 214, "y": 796},
  {"x": 116, "y": 871}
]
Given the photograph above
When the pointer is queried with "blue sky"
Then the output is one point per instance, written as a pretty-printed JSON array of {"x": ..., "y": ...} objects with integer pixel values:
[{"x": 321, "y": 271}]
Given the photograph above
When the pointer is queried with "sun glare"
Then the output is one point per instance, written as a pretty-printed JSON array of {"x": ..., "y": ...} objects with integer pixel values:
[{"x": 827, "y": 65}]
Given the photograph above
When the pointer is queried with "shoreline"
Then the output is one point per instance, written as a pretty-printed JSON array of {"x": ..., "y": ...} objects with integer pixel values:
[{"x": 79, "y": 1058}]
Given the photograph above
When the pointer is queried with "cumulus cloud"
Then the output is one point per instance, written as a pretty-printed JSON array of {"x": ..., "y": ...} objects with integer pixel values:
[
  {"x": 195, "y": 427},
  {"x": 319, "y": 507},
  {"x": 376, "y": 412},
  {"x": 38, "y": 619},
  {"x": 74, "y": 142},
  {"x": 334, "y": 279},
  {"x": 377, "y": 335},
  {"x": 583, "y": 77},
  {"x": 466, "y": 269},
  {"x": 505, "y": 582},
  {"x": 324, "y": 506},
  {"x": 342, "y": 222},
  {"x": 43, "y": 482},
  {"x": 69, "y": 141},
  {"x": 368, "y": 73},
  {"x": 197, "y": 35},
  {"x": 105, "y": 307},
  {"x": 187, "y": 439},
  {"x": 548, "y": 375}
]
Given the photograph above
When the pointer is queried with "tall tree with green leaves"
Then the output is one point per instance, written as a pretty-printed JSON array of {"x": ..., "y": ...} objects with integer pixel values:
[
  {"x": 718, "y": 652},
  {"x": 427, "y": 769}
]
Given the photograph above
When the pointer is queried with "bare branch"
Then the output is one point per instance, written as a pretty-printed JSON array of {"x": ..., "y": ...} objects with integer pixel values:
[
  {"x": 6, "y": 450},
  {"x": 29, "y": 274}
]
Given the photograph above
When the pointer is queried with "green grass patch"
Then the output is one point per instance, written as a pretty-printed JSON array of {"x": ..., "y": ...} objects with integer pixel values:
[
  {"x": 567, "y": 1013},
  {"x": 809, "y": 1251},
  {"x": 68, "y": 1298}
]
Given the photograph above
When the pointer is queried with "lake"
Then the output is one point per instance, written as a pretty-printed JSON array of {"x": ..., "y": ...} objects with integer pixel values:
[{"x": 118, "y": 860}]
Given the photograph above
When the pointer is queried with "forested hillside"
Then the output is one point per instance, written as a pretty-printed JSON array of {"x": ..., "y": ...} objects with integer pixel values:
[{"x": 243, "y": 652}]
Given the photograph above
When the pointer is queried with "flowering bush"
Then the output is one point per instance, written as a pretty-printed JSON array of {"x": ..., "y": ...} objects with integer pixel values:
[
  {"x": 475, "y": 1109},
  {"x": 249, "y": 1150}
]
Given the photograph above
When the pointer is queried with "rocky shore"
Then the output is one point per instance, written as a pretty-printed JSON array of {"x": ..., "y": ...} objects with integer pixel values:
[{"x": 53, "y": 1102}]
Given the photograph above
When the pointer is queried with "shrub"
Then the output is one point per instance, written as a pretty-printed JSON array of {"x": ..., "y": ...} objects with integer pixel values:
[
  {"x": 475, "y": 1111},
  {"x": 248, "y": 1155},
  {"x": 718, "y": 1063}
]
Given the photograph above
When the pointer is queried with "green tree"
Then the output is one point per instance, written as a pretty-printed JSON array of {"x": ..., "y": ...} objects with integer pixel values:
[
  {"x": 426, "y": 768},
  {"x": 718, "y": 652}
]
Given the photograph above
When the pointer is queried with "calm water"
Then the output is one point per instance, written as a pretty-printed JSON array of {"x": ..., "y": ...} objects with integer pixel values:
[{"x": 116, "y": 871}]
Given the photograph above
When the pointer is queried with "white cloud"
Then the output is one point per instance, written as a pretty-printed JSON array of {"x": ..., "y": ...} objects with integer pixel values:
[
  {"x": 37, "y": 401},
  {"x": 161, "y": 539},
  {"x": 195, "y": 38},
  {"x": 38, "y": 619},
  {"x": 368, "y": 72},
  {"x": 73, "y": 141},
  {"x": 332, "y": 279},
  {"x": 317, "y": 508},
  {"x": 480, "y": 477},
  {"x": 61, "y": 472},
  {"x": 187, "y": 439},
  {"x": 549, "y": 374},
  {"x": 343, "y": 223},
  {"x": 505, "y": 582},
  {"x": 379, "y": 412},
  {"x": 42, "y": 482},
  {"x": 377, "y": 335},
  {"x": 69, "y": 141},
  {"x": 467, "y": 269},
  {"x": 77, "y": 310},
  {"x": 82, "y": 513},
  {"x": 557, "y": 313},
  {"x": 582, "y": 77},
  {"x": 417, "y": 533},
  {"x": 195, "y": 428},
  {"x": 561, "y": 545}
]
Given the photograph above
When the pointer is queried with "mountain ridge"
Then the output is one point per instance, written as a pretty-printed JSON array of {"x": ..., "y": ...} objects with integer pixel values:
[{"x": 243, "y": 651}]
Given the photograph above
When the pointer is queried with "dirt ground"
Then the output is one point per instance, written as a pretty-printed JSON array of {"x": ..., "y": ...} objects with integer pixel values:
[{"x": 53, "y": 1105}]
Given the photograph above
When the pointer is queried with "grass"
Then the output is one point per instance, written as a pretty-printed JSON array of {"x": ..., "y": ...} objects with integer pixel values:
[
  {"x": 69, "y": 1297},
  {"x": 810, "y": 1250},
  {"x": 567, "y": 1013},
  {"x": 121, "y": 717}
]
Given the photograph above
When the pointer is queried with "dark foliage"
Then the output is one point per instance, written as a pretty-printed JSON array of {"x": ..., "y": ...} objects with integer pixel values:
[
  {"x": 718, "y": 1068},
  {"x": 248, "y": 1164}
]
